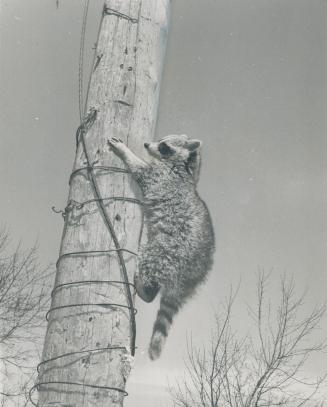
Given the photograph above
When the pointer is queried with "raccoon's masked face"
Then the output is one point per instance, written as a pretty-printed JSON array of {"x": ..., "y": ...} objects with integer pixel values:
[{"x": 173, "y": 148}]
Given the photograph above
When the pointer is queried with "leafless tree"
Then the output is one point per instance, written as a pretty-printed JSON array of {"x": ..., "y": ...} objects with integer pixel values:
[
  {"x": 24, "y": 296},
  {"x": 265, "y": 367}
]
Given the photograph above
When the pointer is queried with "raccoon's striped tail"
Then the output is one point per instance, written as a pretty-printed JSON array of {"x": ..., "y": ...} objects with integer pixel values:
[{"x": 169, "y": 306}]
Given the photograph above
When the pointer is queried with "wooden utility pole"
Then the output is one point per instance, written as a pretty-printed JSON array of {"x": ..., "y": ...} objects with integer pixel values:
[{"x": 89, "y": 341}]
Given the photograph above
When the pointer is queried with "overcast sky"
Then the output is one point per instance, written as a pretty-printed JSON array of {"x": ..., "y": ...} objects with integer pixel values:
[{"x": 248, "y": 77}]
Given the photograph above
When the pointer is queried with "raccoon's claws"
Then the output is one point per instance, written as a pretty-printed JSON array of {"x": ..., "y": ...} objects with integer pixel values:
[{"x": 115, "y": 143}]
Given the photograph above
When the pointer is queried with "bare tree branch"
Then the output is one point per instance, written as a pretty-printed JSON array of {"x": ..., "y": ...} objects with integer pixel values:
[
  {"x": 24, "y": 299},
  {"x": 263, "y": 369}
]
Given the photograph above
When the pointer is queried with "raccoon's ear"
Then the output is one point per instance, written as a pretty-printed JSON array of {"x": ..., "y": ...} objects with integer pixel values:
[{"x": 193, "y": 145}]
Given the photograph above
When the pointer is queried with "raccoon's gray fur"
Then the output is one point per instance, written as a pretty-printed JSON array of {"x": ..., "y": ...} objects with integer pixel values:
[{"x": 180, "y": 239}]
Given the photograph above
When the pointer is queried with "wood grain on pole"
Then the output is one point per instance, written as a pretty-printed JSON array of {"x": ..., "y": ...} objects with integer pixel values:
[{"x": 124, "y": 89}]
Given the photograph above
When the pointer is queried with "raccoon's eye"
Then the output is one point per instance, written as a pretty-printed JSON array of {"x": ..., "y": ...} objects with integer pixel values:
[{"x": 164, "y": 149}]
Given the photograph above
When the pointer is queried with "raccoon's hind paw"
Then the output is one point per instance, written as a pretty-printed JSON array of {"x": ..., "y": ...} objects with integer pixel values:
[{"x": 146, "y": 292}]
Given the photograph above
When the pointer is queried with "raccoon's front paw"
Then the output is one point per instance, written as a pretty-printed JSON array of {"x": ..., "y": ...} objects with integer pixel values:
[{"x": 116, "y": 144}]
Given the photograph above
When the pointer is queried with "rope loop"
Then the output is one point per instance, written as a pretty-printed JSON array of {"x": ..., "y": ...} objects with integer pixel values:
[{"x": 92, "y": 386}]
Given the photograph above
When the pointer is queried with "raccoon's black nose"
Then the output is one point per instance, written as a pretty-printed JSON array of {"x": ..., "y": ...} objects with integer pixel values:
[{"x": 146, "y": 145}]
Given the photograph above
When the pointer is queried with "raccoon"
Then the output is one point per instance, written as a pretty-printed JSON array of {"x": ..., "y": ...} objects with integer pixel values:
[{"x": 179, "y": 249}]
